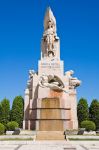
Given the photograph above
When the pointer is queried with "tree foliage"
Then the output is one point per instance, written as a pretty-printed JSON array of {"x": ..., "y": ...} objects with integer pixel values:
[
  {"x": 5, "y": 111},
  {"x": 0, "y": 112},
  {"x": 17, "y": 111},
  {"x": 88, "y": 125},
  {"x": 2, "y": 128},
  {"x": 82, "y": 110},
  {"x": 94, "y": 112}
]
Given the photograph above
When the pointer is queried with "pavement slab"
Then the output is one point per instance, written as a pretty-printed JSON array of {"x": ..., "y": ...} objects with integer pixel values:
[{"x": 49, "y": 145}]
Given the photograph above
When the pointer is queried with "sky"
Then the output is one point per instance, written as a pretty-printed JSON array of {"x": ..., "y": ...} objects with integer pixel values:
[{"x": 21, "y": 29}]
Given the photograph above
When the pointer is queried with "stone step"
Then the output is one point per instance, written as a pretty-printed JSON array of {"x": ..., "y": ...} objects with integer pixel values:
[{"x": 50, "y": 135}]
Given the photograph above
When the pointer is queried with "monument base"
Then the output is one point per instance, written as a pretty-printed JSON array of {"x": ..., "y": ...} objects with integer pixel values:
[
  {"x": 50, "y": 135},
  {"x": 50, "y": 115},
  {"x": 51, "y": 123}
]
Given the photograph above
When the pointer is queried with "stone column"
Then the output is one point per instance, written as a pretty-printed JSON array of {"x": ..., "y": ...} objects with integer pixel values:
[
  {"x": 26, "y": 109},
  {"x": 73, "y": 100}
]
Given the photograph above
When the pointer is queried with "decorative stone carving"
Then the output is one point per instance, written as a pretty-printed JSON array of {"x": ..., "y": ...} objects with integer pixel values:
[
  {"x": 28, "y": 83},
  {"x": 49, "y": 17},
  {"x": 49, "y": 36},
  {"x": 31, "y": 73},
  {"x": 49, "y": 32},
  {"x": 69, "y": 73},
  {"x": 26, "y": 91},
  {"x": 51, "y": 81},
  {"x": 73, "y": 82}
]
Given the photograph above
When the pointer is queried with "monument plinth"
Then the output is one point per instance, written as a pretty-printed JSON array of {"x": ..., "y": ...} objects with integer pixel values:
[{"x": 50, "y": 96}]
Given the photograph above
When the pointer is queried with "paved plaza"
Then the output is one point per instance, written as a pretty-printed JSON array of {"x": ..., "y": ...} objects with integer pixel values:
[{"x": 49, "y": 145}]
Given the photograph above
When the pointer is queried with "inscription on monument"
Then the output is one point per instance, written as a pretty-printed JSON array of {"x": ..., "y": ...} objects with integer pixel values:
[{"x": 50, "y": 65}]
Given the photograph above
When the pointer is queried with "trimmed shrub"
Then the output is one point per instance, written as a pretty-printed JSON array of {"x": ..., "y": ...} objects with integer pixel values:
[
  {"x": 2, "y": 128},
  {"x": 12, "y": 125},
  {"x": 88, "y": 125}
]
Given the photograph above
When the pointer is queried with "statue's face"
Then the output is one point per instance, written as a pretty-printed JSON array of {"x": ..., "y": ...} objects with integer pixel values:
[
  {"x": 45, "y": 78},
  {"x": 50, "y": 24},
  {"x": 51, "y": 54}
]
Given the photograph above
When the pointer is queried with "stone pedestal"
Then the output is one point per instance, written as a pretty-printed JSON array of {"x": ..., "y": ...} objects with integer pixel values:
[
  {"x": 50, "y": 123},
  {"x": 50, "y": 115}
]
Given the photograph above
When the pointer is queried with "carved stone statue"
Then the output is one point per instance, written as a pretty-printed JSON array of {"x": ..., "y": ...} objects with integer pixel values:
[
  {"x": 69, "y": 73},
  {"x": 73, "y": 82},
  {"x": 49, "y": 37},
  {"x": 49, "y": 32},
  {"x": 49, "y": 17},
  {"x": 31, "y": 73},
  {"x": 51, "y": 81}
]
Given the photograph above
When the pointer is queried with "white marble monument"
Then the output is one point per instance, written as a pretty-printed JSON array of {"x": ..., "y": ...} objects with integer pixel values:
[{"x": 50, "y": 96}]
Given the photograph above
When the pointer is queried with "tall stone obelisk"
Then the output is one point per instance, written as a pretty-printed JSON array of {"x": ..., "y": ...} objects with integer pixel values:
[{"x": 50, "y": 96}]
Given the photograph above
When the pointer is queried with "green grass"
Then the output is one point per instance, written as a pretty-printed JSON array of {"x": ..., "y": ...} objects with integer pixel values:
[
  {"x": 16, "y": 139},
  {"x": 79, "y": 139}
]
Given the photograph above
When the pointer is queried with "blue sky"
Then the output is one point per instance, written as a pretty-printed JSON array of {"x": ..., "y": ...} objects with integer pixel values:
[{"x": 21, "y": 28}]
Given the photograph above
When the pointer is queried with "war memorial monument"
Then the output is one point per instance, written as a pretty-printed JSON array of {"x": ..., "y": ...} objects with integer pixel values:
[{"x": 50, "y": 96}]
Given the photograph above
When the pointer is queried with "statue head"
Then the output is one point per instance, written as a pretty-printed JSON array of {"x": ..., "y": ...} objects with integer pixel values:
[
  {"x": 69, "y": 73},
  {"x": 51, "y": 54},
  {"x": 50, "y": 24}
]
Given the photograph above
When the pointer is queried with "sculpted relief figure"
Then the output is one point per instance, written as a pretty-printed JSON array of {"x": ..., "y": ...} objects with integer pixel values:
[
  {"x": 43, "y": 81},
  {"x": 31, "y": 74},
  {"x": 51, "y": 81},
  {"x": 69, "y": 73},
  {"x": 73, "y": 82}
]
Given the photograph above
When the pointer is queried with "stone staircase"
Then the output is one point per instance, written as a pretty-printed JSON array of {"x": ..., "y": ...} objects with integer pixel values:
[{"x": 50, "y": 135}]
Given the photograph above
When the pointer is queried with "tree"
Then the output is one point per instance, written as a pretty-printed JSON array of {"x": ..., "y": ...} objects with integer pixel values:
[
  {"x": 5, "y": 111},
  {"x": 94, "y": 112},
  {"x": 82, "y": 110},
  {"x": 17, "y": 111},
  {"x": 0, "y": 112},
  {"x": 2, "y": 128}
]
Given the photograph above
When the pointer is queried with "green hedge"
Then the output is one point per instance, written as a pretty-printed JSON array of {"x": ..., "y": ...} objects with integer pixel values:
[
  {"x": 2, "y": 128},
  {"x": 12, "y": 125},
  {"x": 88, "y": 125}
]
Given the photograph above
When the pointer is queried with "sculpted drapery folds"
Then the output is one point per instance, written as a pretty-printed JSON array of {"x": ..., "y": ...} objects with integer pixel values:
[{"x": 49, "y": 32}]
